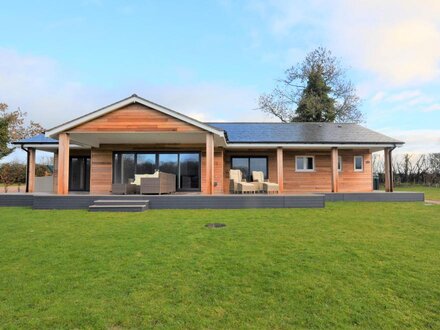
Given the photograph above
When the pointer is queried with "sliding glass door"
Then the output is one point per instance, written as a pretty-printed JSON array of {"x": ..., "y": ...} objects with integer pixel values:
[
  {"x": 186, "y": 167},
  {"x": 189, "y": 171},
  {"x": 79, "y": 173}
]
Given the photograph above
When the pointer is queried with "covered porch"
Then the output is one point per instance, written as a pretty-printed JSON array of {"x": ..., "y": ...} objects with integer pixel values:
[{"x": 200, "y": 162}]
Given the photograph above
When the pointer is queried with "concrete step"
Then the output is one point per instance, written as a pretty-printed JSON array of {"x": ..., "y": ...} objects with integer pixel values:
[
  {"x": 118, "y": 208},
  {"x": 120, "y": 202}
]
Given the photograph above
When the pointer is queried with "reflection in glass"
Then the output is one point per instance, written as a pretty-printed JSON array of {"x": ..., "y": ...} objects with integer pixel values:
[
  {"x": 127, "y": 167},
  {"x": 239, "y": 163},
  {"x": 258, "y": 164},
  {"x": 145, "y": 163},
  {"x": 249, "y": 164},
  {"x": 189, "y": 171}
]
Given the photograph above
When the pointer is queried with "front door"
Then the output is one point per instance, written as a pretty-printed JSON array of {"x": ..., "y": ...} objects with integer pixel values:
[{"x": 79, "y": 178}]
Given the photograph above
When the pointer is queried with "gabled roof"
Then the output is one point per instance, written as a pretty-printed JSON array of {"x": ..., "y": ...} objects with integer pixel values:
[
  {"x": 302, "y": 133},
  {"x": 53, "y": 132}
]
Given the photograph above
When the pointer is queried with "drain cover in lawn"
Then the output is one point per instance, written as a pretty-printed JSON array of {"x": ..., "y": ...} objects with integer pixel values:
[{"x": 215, "y": 225}]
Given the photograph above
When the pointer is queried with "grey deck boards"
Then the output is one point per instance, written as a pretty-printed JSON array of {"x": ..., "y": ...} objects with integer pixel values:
[
  {"x": 69, "y": 202},
  {"x": 401, "y": 196}
]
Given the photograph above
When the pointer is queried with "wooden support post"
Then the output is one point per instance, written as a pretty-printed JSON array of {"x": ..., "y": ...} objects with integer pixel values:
[
  {"x": 209, "y": 163},
  {"x": 388, "y": 170},
  {"x": 31, "y": 170},
  {"x": 335, "y": 172},
  {"x": 55, "y": 172},
  {"x": 280, "y": 169},
  {"x": 63, "y": 164}
]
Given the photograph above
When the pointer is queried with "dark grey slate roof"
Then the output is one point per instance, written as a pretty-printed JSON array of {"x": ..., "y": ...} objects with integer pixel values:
[
  {"x": 37, "y": 139},
  {"x": 314, "y": 133}
]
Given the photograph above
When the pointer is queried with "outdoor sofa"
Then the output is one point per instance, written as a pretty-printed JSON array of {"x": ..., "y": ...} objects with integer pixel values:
[{"x": 156, "y": 183}]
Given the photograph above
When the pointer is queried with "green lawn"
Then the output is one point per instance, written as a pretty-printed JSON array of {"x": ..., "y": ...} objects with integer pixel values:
[
  {"x": 367, "y": 265},
  {"x": 431, "y": 193}
]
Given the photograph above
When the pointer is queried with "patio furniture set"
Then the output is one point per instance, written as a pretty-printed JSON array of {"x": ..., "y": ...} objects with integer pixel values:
[
  {"x": 165, "y": 183},
  {"x": 238, "y": 185},
  {"x": 156, "y": 183}
]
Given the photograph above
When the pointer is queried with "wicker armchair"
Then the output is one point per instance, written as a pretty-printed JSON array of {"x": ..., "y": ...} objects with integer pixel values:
[
  {"x": 164, "y": 183},
  {"x": 237, "y": 185},
  {"x": 265, "y": 186}
]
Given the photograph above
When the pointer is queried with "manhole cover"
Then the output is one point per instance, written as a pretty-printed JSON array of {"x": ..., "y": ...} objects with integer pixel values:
[{"x": 215, "y": 225}]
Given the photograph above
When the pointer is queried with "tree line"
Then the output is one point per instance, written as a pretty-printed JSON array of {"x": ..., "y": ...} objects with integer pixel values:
[{"x": 411, "y": 168}]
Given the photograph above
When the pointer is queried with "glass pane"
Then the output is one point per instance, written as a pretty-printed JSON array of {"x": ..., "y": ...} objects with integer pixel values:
[
  {"x": 127, "y": 167},
  {"x": 358, "y": 163},
  {"x": 168, "y": 163},
  {"x": 117, "y": 168},
  {"x": 258, "y": 164},
  {"x": 145, "y": 163},
  {"x": 87, "y": 183},
  {"x": 310, "y": 163},
  {"x": 300, "y": 163},
  {"x": 77, "y": 173},
  {"x": 241, "y": 164},
  {"x": 189, "y": 171}
]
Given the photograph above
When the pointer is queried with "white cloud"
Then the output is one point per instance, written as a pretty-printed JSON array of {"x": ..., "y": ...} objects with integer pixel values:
[
  {"x": 432, "y": 107},
  {"x": 208, "y": 101},
  {"x": 417, "y": 140},
  {"x": 38, "y": 85},
  {"x": 397, "y": 41}
]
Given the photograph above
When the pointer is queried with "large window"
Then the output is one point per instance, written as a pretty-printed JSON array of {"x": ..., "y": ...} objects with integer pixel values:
[
  {"x": 186, "y": 167},
  {"x": 305, "y": 163},
  {"x": 249, "y": 164}
]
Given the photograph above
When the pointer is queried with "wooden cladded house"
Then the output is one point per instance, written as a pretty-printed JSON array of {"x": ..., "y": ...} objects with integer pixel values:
[{"x": 135, "y": 135}]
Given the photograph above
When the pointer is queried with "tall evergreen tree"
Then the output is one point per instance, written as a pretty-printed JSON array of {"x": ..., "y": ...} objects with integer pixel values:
[
  {"x": 315, "y": 104},
  {"x": 304, "y": 87}
]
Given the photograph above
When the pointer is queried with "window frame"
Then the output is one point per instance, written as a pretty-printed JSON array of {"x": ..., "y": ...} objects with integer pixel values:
[
  {"x": 340, "y": 162},
  {"x": 305, "y": 170},
  {"x": 249, "y": 165},
  {"x": 362, "y": 163},
  {"x": 156, "y": 153}
]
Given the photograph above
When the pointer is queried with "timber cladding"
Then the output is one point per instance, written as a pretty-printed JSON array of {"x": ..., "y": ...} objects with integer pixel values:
[
  {"x": 101, "y": 171},
  {"x": 320, "y": 179},
  {"x": 294, "y": 182},
  {"x": 135, "y": 118},
  {"x": 316, "y": 181}
]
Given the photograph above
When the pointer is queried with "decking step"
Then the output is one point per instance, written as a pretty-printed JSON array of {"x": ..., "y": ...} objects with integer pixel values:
[
  {"x": 119, "y": 205},
  {"x": 120, "y": 202}
]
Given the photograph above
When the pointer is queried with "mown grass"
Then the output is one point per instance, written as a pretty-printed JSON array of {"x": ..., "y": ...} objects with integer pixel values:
[
  {"x": 431, "y": 193},
  {"x": 368, "y": 265}
]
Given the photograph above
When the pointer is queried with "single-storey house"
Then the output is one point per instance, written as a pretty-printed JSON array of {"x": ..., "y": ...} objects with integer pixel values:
[{"x": 134, "y": 135}]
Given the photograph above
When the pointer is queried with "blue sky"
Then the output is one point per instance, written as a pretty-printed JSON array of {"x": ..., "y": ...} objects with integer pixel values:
[{"x": 211, "y": 59}]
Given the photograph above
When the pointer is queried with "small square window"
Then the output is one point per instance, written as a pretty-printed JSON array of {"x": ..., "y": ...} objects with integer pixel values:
[
  {"x": 358, "y": 163},
  {"x": 340, "y": 163},
  {"x": 305, "y": 163}
]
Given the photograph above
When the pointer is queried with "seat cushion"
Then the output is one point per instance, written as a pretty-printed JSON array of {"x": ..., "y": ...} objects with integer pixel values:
[{"x": 138, "y": 177}]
